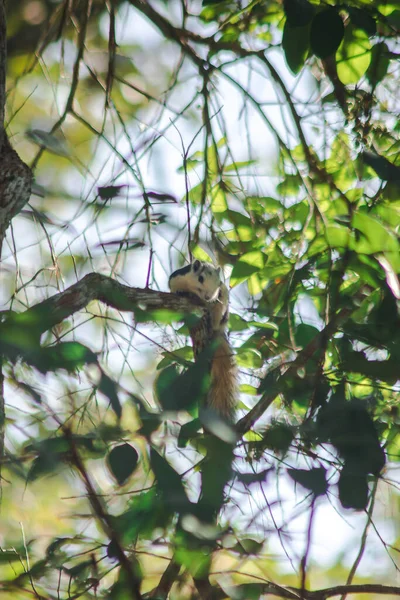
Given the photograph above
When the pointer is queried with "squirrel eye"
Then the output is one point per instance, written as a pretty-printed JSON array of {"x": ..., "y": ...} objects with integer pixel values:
[{"x": 201, "y": 279}]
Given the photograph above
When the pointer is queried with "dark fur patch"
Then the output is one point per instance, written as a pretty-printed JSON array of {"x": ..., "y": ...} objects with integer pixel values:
[
  {"x": 181, "y": 271},
  {"x": 224, "y": 319}
]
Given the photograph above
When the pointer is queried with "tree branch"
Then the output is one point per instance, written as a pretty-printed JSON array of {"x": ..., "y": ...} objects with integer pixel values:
[
  {"x": 292, "y": 593},
  {"x": 94, "y": 286},
  {"x": 266, "y": 400},
  {"x": 169, "y": 31},
  {"x": 15, "y": 175},
  {"x": 3, "y": 62},
  {"x": 166, "y": 582},
  {"x": 15, "y": 183},
  {"x": 133, "y": 581}
]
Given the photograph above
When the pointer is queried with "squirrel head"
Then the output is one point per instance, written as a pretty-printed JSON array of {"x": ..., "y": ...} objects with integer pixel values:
[{"x": 200, "y": 278}]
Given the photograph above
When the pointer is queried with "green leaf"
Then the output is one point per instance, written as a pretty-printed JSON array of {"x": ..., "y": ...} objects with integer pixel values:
[
  {"x": 327, "y": 31},
  {"x": 165, "y": 316},
  {"x": 81, "y": 570},
  {"x": 375, "y": 236},
  {"x": 180, "y": 355},
  {"x": 254, "y": 285},
  {"x": 242, "y": 271},
  {"x": 290, "y": 186},
  {"x": 44, "y": 464},
  {"x": 305, "y": 333},
  {"x": 247, "y": 265},
  {"x": 383, "y": 370},
  {"x": 19, "y": 335},
  {"x": 208, "y": 2},
  {"x": 379, "y": 63},
  {"x": 122, "y": 588},
  {"x": 267, "y": 325},
  {"x": 122, "y": 461},
  {"x": 165, "y": 380},
  {"x": 196, "y": 561},
  {"x": 362, "y": 19},
  {"x": 169, "y": 482},
  {"x": 353, "y": 56},
  {"x": 238, "y": 218},
  {"x": 187, "y": 431},
  {"x": 298, "y": 12},
  {"x": 183, "y": 391},
  {"x": 109, "y": 192},
  {"x": 64, "y": 355},
  {"x": 240, "y": 164},
  {"x": 278, "y": 437},
  {"x": 219, "y": 203},
  {"x": 53, "y": 452},
  {"x": 112, "y": 550},
  {"x": 262, "y": 204},
  {"x": 54, "y": 547},
  {"x": 150, "y": 421},
  {"x": 248, "y": 478},
  {"x": 47, "y": 140},
  {"x": 337, "y": 236},
  {"x": 249, "y": 357},
  {"x": 393, "y": 16},
  {"x": 296, "y": 45},
  {"x": 108, "y": 387},
  {"x": 382, "y": 167},
  {"x": 353, "y": 490},
  {"x": 147, "y": 511},
  {"x": 313, "y": 479},
  {"x": 237, "y": 323},
  {"x": 247, "y": 546},
  {"x": 250, "y": 390},
  {"x": 216, "y": 472},
  {"x": 245, "y": 233},
  {"x": 298, "y": 213},
  {"x": 7, "y": 556},
  {"x": 348, "y": 426}
]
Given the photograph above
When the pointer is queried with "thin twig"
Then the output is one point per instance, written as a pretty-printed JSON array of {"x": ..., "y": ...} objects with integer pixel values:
[
  {"x": 149, "y": 269},
  {"x": 304, "y": 559},
  {"x": 104, "y": 519},
  {"x": 364, "y": 536}
]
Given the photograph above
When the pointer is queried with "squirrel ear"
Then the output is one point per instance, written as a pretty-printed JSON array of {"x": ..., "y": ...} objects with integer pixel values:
[{"x": 196, "y": 265}]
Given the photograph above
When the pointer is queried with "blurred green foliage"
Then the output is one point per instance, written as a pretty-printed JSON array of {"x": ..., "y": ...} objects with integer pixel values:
[{"x": 275, "y": 126}]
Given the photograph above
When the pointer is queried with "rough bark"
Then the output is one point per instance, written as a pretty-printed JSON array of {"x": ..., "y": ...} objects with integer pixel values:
[{"x": 15, "y": 186}]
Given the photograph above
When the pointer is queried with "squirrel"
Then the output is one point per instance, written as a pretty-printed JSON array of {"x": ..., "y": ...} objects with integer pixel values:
[{"x": 204, "y": 281}]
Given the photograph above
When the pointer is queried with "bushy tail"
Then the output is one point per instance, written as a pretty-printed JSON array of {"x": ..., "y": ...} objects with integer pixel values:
[{"x": 223, "y": 393}]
